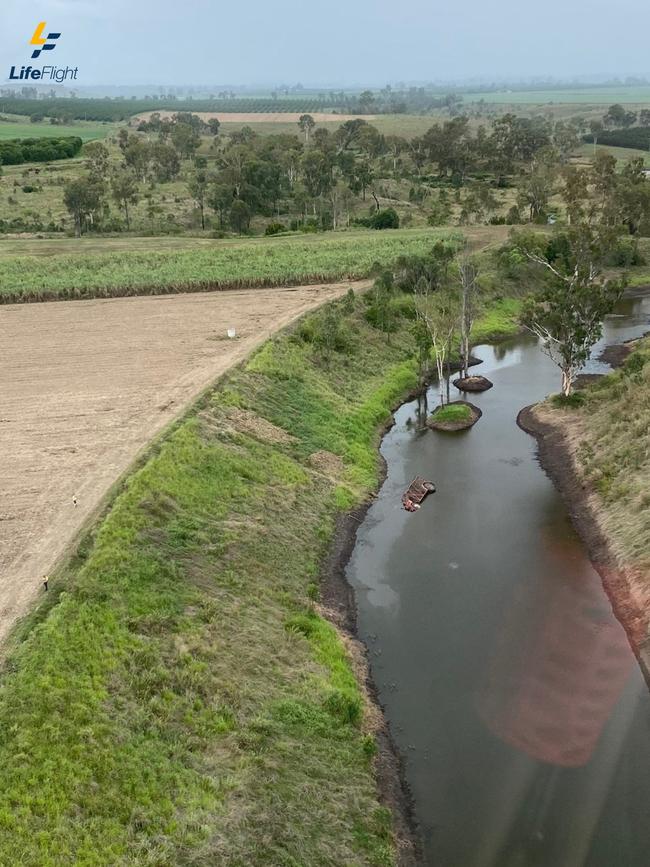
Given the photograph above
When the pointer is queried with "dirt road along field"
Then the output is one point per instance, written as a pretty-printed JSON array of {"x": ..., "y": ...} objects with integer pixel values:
[{"x": 86, "y": 384}]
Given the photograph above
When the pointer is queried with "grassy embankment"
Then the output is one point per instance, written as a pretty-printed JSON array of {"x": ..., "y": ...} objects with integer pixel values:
[
  {"x": 609, "y": 426},
  {"x": 183, "y": 701},
  {"x": 81, "y": 269},
  {"x": 178, "y": 698}
]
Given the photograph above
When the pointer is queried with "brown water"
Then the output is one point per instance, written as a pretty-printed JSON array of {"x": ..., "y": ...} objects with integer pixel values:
[{"x": 509, "y": 685}]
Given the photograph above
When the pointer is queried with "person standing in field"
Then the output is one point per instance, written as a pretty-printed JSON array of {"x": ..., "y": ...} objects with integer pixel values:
[
  {"x": 74, "y": 501},
  {"x": 46, "y": 579}
]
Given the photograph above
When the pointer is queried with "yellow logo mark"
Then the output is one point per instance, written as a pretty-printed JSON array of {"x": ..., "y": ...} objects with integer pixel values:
[{"x": 37, "y": 38}]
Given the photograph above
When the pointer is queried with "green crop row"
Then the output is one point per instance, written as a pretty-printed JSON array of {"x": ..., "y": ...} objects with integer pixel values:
[{"x": 205, "y": 266}]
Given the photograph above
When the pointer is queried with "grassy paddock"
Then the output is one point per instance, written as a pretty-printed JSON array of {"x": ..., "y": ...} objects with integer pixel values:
[
  {"x": 184, "y": 702},
  {"x": 87, "y": 131},
  {"x": 196, "y": 266}
]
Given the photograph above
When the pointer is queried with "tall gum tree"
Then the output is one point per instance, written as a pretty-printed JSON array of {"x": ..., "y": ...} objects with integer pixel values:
[{"x": 567, "y": 315}]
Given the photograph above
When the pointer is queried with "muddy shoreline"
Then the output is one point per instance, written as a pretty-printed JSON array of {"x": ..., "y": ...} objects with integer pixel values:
[
  {"x": 556, "y": 460},
  {"x": 339, "y": 603},
  {"x": 339, "y": 600}
]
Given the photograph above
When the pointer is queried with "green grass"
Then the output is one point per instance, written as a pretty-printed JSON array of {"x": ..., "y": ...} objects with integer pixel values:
[
  {"x": 500, "y": 319},
  {"x": 613, "y": 418},
  {"x": 182, "y": 702},
  {"x": 86, "y": 130},
  {"x": 453, "y": 412},
  {"x": 197, "y": 266}
]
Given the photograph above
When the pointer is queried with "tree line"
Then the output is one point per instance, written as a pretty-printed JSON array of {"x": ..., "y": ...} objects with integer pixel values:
[
  {"x": 38, "y": 150},
  {"x": 319, "y": 179}
]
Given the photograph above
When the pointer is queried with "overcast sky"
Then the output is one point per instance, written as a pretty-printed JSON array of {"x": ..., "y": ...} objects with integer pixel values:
[{"x": 330, "y": 42}]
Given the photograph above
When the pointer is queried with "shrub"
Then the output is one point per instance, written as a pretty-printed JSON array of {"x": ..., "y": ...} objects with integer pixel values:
[
  {"x": 387, "y": 218},
  {"x": 307, "y": 330},
  {"x": 331, "y": 333},
  {"x": 513, "y": 217},
  {"x": 344, "y": 706},
  {"x": 369, "y": 746},
  {"x": 21, "y": 150},
  {"x": 275, "y": 229},
  {"x": 635, "y": 362},
  {"x": 570, "y": 401},
  {"x": 625, "y": 254},
  {"x": 349, "y": 302}
]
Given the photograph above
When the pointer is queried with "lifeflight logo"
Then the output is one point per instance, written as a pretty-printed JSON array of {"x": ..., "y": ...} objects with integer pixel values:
[
  {"x": 45, "y": 73},
  {"x": 43, "y": 43}
]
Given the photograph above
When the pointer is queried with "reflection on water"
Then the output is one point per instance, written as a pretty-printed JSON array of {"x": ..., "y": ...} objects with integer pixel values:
[
  {"x": 509, "y": 685},
  {"x": 559, "y": 663}
]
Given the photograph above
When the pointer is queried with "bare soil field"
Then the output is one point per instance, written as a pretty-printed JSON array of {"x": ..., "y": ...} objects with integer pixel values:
[
  {"x": 86, "y": 385},
  {"x": 264, "y": 117}
]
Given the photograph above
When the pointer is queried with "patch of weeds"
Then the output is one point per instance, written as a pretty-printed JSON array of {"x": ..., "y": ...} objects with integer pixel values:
[{"x": 569, "y": 401}]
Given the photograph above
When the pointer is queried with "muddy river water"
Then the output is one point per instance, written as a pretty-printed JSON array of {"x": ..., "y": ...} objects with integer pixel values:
[{"x": 509, "y": 686}]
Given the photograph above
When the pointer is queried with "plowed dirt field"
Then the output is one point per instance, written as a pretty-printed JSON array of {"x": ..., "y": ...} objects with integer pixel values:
[{"x": 85, "y": 385}]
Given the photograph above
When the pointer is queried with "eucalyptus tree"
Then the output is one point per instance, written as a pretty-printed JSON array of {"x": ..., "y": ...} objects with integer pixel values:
[{"x": 567, "y": 314}]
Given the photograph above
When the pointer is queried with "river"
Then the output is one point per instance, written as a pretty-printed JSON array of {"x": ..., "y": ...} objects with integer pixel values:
[{"x": 509, "y": 686}]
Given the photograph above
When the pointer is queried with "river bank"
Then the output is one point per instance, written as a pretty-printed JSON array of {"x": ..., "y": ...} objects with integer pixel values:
[
  {"x": 489, "y": 649},
  {"x": 563, "y": 438}
]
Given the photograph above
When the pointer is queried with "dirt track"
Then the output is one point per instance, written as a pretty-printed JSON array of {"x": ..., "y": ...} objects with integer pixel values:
[{"x": 86, "y": 384}]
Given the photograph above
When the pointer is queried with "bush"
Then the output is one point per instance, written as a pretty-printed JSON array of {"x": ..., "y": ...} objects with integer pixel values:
[
  {"x": 343, "y": 706},
  {"x": 513, "y": 217},
  {"x": 635, "y": 362},
  {"x": 307, "y": 330},
  {"x": 13, "y": 152},
  {"x": 385, "y": 219},
  {"x": 570, "y": 401},
  {"x": 331, "y": 332},
  {"x": 625, "y": 254},
  {"x": 440, "y": 214},
  {"x": 275, "y": 229},
  {"x": 349, "y": 302}
]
